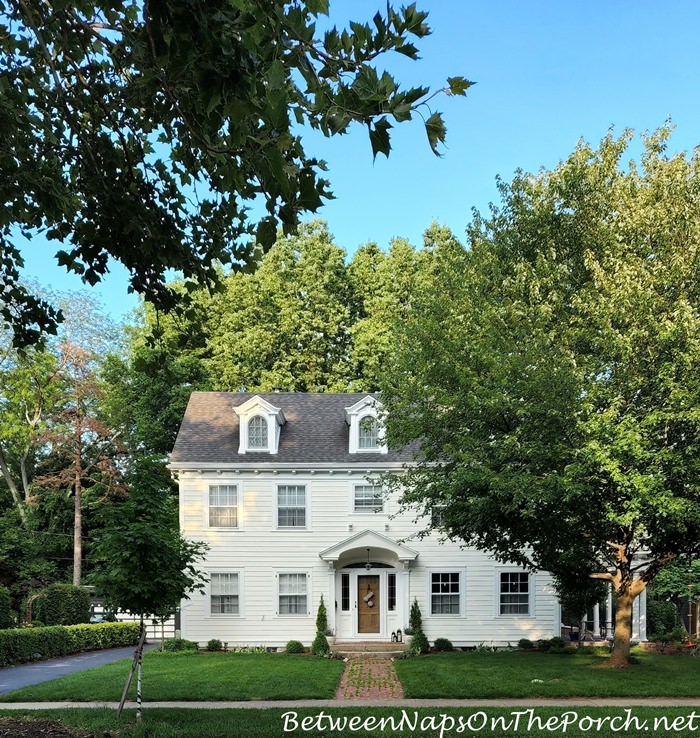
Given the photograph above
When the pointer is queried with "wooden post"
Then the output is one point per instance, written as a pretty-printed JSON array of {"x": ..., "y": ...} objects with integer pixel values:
[
  {"x": 137, "y": 657},
  {"x": 138, "y": 678}
]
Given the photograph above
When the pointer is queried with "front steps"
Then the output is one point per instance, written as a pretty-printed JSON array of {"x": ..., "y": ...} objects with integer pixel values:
[{"x": 369, "y": 649}]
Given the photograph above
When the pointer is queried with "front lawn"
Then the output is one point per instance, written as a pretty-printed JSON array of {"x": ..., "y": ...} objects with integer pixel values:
[
  {"x": 526, "y": 674},
  {"x": 192, "y": 676},
  {"x": 431, "y": 723}
]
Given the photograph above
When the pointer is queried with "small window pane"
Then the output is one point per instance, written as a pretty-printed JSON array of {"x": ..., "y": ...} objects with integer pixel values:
[
  {"x": 223, "y": 506},
  {"x": 291, "y": 506},
  {"x": 445, "y": 594},
  {"x": 345, "y": 592},
  {"x": 515, "y": 593},
  {"x": 224, "y": 594},
  {"x": 368, "y": 433},
  {"x": 391, "y": 592},
  {"x": 368, "y": 497},
  {"x": 257, "y": 432}
]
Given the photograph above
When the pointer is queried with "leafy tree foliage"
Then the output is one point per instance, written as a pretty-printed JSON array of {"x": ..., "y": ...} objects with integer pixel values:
[
  {"x": 144, "y": 566},
  {"x": 552, "y": 373},
  {"x": 143, "y": 131},
  {"x": 285, "y": 326}
]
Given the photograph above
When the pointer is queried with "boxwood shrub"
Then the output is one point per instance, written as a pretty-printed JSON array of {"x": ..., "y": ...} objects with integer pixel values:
[{"x": 32, "y": 644}]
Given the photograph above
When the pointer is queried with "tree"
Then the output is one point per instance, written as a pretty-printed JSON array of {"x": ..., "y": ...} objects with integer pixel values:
[
  {"x": 383, "y": 285},
  {"x": 82, "y": 446},
  {"x": 552, "y": 373},
  {"x": 285, "y": 326},
  {"x": 145, "y": 566},
  {"x": 143, "y": 131}
]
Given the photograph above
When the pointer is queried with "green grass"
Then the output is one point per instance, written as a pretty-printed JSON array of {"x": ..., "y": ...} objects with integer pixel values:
[
  {"x": 206, "y": 676},
  {"x": 171, "y": 723},
  {"x": 490, "y": 675}
]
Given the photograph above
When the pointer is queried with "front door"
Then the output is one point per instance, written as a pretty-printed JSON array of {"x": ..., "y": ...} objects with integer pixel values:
[{"x": 368, "y": 620}]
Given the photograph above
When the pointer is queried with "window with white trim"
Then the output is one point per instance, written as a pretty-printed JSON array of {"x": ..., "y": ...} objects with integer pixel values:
[
  {"x": 292, "y": 593},
  {"x": 257, "y": 433},
  {"x": 445, "y": 593},
  {"x": 345, "y": 592},
  {"x": 368, "y": 498},
  {"x": 368, "y": 433},
  {"x": 514, "y": 593},
  {"x": 223, "y": 506},
  {"x": 291, "y": 506},
  {"x": 224, "y": 593}
]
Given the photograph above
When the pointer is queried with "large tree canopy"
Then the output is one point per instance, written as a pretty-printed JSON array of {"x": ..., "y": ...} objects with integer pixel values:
[
  {"x": 143, "y": 131},
  {"x": 552, "y": 372}
]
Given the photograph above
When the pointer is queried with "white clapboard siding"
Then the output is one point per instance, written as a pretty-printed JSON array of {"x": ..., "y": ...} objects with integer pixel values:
[{"x": 258, "y": 552}]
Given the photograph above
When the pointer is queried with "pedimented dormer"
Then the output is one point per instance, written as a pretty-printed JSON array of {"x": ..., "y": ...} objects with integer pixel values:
[
  {"x": 260, "y": 423},
  {"x": 366, "y": 429}
]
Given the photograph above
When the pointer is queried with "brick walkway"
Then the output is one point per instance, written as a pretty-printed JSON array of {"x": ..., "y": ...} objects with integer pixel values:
[{"x": 369, "y": 679}]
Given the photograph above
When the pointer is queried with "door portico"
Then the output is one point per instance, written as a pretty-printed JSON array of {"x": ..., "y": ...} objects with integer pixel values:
[{"x": 368, "y": 584}]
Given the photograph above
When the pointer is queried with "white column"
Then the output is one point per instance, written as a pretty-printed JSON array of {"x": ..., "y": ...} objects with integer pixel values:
[
  {"x": 642, "y": 600},
  {"x": 403, "y": 596},
  {"x": 332, "y": 602},
  {"x": 596, "y": 620},
  {"x": 609, "y": 612}
]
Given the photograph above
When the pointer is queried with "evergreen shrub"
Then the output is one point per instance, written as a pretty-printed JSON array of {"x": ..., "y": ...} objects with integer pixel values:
[
  {"x": 62, "y": 604},
  {"x": 179, "y": 644},
  {"x": 18, "y": 645},
  {"x": 295, "y": 647}
]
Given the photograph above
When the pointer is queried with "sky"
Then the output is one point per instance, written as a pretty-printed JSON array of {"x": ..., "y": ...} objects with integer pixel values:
[{"x": 548, "y": 74}]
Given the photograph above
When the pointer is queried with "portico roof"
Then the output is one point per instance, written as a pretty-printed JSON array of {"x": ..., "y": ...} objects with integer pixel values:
[{"x": 369, "y": 539}]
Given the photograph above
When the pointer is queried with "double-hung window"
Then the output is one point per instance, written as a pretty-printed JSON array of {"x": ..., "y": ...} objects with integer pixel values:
[
  {"x": 445, "y": 593},
  {"x": 224, "y": 592},
  {"x": 291, "y": 506},
  {"x": 368, "y": 498},
  {"x": 223, "y": 506},
  {"x": 292, "y": 593},
  {"x": 514, "y": 593}
]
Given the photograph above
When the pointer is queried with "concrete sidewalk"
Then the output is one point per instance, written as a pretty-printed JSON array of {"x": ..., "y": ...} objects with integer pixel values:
[
  {"x": 525, "y": 703},
  {"x": 26, "y": 675}
]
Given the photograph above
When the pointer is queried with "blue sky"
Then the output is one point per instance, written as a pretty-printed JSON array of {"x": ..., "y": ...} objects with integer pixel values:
[{"x": 548, "y": 73}]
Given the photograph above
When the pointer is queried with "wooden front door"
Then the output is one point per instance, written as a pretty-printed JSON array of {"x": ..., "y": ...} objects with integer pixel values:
[{"x": 368, "y": 620}]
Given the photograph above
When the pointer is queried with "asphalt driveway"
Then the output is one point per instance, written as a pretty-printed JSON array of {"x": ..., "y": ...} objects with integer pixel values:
[{"x": 24, "y": 675}]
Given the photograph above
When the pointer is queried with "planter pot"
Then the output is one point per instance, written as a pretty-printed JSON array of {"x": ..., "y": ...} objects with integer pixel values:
[{"x": 331, "y": 640}]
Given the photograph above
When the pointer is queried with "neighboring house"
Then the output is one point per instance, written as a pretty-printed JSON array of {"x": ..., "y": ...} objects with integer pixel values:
[{"x": 284, "y": 487}]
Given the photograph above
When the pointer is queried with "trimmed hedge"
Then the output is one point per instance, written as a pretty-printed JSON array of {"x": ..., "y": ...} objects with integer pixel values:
[
  {"x": 33, "y": 644},
  {"x": 62, "y": 604}
]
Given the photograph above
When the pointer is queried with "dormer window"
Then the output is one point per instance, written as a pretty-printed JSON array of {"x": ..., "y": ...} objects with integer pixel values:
[
  {"x": 259, "y": 426},
  {"x": 257, "y": 433},
  {"x": 368, "y": 433},
  {"x": 365, "y": 427}
]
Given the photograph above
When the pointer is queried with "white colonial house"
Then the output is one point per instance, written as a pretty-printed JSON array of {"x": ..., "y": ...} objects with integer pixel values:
[{"x": 284, "y": 487}]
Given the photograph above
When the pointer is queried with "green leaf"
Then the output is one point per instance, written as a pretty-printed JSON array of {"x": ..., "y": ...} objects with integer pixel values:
[
  {"x": 276, "y": 77},
  {"x": 459, "y": 85},
  {"x": 435, "y": 128},
  {"x": 266, "y": 232},
  {"x": 379, "y": 137}
]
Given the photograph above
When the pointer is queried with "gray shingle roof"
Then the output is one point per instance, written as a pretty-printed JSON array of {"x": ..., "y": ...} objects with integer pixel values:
[{"x": 315, "y": 431}]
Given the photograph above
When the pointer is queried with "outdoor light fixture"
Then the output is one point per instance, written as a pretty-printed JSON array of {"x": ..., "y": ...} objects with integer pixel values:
[{"x": 368, "y": 566}]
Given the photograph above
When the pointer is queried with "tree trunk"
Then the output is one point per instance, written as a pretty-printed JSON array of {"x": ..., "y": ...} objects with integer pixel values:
[
  {"x": 138, "y": 654},
  {"x": 7, "y": 476},
  {"x": 77, "y": 532},
  {"x": 623, "y": 629}
]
